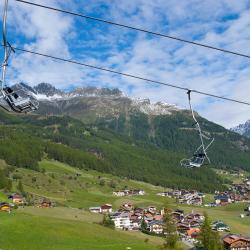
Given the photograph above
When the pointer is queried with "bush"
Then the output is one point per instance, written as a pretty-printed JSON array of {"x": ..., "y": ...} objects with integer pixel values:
[{"x": 107, "y": 222}]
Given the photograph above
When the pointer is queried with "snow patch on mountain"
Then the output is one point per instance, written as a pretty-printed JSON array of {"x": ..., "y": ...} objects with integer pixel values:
[{"x": 158, "y": 108}]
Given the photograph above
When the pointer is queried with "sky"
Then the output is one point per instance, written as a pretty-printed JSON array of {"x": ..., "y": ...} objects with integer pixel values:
[{"x": 220, "y": 23}]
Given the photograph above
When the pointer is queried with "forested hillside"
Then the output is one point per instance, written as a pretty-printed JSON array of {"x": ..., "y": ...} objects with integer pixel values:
[
  {"x": 25, "y": 140},
  {"x": 160, "y": 125},
  {"x": 176, "y": 133}
]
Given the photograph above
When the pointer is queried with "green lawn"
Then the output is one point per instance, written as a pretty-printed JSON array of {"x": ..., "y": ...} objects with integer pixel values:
[
  {"x": 61, "y": 229},
  {"x": 68, "y": 227},
  {"x": 59, "y": 183},
  {"x": 3, "y": 197}
]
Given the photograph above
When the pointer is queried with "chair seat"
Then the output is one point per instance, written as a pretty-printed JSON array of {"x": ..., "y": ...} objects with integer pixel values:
[{"x": 17, "y": 103}]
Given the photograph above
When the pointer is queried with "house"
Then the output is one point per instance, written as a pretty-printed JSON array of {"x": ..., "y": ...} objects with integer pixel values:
[
  {"x": 46, "y": 203},
  {"x": 156, "y": 226},
  {"x": 236, "y": 242},
  {"x": 195, "y": 216},
  {"x": 139, "y": 211},
  {"x": 177, "y": 216},
  {"x": 5, "y": 207},
  {"x": 106, "y": 208},
  {"x": 183, "y": 227},
  {"x": 193, "y": 232},
  {"x": 136, "y": 224},
  {"x": 190, "y": 198},
  {"x": 162, "y": 194},
  {"x": 247, "y": 209},
  {"x": 127, "y": 192},
  {"x": 122, "y": 220},
  {"x": 247, "y": 182},
  {"x": 119, "y": 193},
  {"x": 194, "y": 223},
  {"x": 166, "y": 194},
  {"x": 152, "y": 209},
  {"x": 148, "y": 217},
  {"x": 95, "y": 209},
  {"x": 17, "y": 199},
  {"x": 138, "y": 192},
  {"x": 158, "y": 217},
  {"x": 127, "y": 206},
  {"x": 176, "y": 193},
  {"x": 219, "y": 226},
  {"x": 222, "y": 200}
]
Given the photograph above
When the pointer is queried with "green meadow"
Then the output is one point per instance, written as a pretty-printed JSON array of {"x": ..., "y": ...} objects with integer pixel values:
[
  {"x": 70, "y": 226},
  {"x": 63, "y": 230}
]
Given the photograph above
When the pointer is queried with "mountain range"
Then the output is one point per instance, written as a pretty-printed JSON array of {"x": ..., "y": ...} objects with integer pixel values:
[{"x": 83, "y": 102}]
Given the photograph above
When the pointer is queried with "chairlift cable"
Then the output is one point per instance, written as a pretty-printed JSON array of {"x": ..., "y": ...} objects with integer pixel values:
[
  {"x": 135, "y": 28},
  {"x": 131, "y": 76}
]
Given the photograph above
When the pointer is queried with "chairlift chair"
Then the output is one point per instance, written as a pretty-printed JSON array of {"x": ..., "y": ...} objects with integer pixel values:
[
  {"x": 200, "y": 156},
  {"x": 17, "y": 102}
]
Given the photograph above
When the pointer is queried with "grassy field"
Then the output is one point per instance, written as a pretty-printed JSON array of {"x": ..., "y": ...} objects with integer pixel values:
[
  {"x": 32, "y": 228},
  {"x": 71, "y": 226},
  {"x": 60, "y": 183},
  {"x": 3, "y": 197}
]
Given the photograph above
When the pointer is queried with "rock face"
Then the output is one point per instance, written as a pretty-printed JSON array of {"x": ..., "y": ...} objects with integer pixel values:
[
  {"x": 47, "y": 90},
  {"x": 243, "y": 129},
  {"x": 92, "y": 102}
]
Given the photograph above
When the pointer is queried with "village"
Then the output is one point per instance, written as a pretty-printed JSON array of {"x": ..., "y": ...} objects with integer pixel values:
[{"x": 150, "y": 219}]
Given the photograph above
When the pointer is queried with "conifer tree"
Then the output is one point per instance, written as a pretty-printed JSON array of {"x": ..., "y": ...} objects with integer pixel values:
[
  {"x": 170, "y": 230},
  {"x": 143, "y": 225},
  {"x": 107, "y": 221},
  {"x": 209, "y": 239}
]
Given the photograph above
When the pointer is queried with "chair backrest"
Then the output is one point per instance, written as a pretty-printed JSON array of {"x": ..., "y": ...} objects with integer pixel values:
[
  {"x": 19, "y": 104},
  {"x": 197, "y": 160}
]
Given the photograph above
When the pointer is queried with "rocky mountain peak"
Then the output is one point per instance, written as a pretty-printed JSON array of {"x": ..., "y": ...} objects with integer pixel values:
[
  {"x": 242, "y": 129},
  {"x": 94, "y": 91},
  {"x": 47, "y": 89}
]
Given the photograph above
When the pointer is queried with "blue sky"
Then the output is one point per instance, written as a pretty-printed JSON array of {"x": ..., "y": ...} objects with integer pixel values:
[{"x": 221, "y": 23}]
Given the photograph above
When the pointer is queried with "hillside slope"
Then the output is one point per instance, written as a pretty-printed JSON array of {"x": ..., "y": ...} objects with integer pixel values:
[
  {"x": 26, "y": 139},
  {"x": 74, "y": 191}
]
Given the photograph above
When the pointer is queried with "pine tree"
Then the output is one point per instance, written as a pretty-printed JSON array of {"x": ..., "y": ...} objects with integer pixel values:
[
  {"x": 209, "y": 239},
  {"x": 143, "y": 225},
  {"x": 171, "y": 233},
  {"x": 107, "y": 221}
]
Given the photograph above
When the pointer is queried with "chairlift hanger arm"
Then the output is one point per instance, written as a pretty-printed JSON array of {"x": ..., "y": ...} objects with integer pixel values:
[
  {"x": 6, "y": 53},
  {"x": 200, "y": 154}
]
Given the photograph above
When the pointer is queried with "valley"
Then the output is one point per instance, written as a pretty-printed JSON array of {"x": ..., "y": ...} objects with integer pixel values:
[{"x": 74, "y": 191}]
